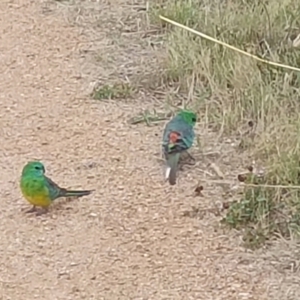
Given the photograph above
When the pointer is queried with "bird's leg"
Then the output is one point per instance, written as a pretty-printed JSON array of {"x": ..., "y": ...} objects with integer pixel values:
[
  {"x": 192, "y": 158},
  {"x": 42, "y": 211},
  {"x": 31, "y": 210},
  {"x": 186, "y": 159}
]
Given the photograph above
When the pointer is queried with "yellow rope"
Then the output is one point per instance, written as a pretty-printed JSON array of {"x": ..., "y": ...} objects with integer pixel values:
[{"x": 226, "y": 45}]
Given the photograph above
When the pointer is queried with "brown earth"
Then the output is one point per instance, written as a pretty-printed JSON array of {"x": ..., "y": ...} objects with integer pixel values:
[{"x": 132, "y": 239}]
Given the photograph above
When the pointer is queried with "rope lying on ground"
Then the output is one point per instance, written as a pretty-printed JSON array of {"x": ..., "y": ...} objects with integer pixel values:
[{"x": 227, "y": 45}]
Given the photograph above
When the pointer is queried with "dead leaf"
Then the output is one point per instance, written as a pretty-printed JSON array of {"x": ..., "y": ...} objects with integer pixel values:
[
  {"x": 242, "y": 177},
  {"x": 226, "y": 205},
  {"x": 198, "y": 191}
]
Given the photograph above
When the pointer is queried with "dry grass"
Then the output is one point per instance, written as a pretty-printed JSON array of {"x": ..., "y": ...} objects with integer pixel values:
[{"x": 228, "y": 90}]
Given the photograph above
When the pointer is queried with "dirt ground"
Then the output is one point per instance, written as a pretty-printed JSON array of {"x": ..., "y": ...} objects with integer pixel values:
[{"x": 131, "y": 239}]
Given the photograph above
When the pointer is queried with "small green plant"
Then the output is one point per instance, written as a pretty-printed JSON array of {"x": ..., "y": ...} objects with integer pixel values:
[
  {"x": 264, "y": 211},
  {"x": 116, "y": 91},
  {"x": 254, "y": 213},
  {"x": 149, "y": 117}
]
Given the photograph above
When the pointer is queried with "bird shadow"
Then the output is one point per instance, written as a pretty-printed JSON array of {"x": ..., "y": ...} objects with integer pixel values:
[{"x": 60, "y": 205}]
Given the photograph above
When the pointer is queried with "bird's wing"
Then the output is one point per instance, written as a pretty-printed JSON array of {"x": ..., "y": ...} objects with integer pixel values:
[
  {"x": 188, "y": 136},
  {"x": 55, "y": 190},
  {"x": 185, "y": 140}
]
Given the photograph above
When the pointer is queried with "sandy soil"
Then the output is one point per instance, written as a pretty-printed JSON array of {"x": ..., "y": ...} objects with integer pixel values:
[{"x": 131, "y": 239}]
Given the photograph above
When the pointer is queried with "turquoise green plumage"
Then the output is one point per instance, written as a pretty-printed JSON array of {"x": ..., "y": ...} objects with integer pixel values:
[
  {"x": 178, "y": 137},
  {"x": 39, "y": 190}
]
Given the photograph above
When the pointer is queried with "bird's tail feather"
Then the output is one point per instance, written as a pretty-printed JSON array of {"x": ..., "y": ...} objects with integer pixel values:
[
  {"x": 171, "y": 171},
  {"x": 71, "y": 193}
]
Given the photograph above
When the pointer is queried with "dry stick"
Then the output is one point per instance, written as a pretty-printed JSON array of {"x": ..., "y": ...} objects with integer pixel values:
[
  {"x": 228, "y": 46},
  {"x": 295, "y": 187}
]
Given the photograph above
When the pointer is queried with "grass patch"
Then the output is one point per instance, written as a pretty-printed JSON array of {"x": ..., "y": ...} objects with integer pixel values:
[
  {"x": 150, "y": 118},
  {"x": 116, "y": 91},
  {"x": 265, "y": 210},
  {"x": 227, "y": 88}
]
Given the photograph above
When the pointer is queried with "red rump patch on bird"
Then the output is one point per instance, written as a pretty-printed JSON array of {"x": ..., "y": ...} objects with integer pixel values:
[{"x": 174, "y": 137}]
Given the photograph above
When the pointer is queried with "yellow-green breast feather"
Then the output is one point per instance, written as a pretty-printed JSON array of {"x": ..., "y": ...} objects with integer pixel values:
[{"x": 35, "y": 191}]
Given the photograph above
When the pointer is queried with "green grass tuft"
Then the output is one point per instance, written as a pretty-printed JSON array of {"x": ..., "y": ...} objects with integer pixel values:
[
  {"x": 116, "y": 91},
  {"x": 150, "y": 118}
]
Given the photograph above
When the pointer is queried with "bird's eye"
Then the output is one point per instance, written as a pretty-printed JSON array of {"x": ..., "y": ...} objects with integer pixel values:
[
  {"x": 37, "y": 168},
  {"x": 194, "y": 119}
]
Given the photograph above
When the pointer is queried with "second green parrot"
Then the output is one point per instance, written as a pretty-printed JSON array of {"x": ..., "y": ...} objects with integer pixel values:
[{"x": 178, "y": 137}]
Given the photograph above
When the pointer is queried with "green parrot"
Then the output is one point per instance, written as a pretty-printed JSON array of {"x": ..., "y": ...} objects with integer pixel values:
[
  {"x": 40, "y": 190},
  {"x": 178, "y": 137}
]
